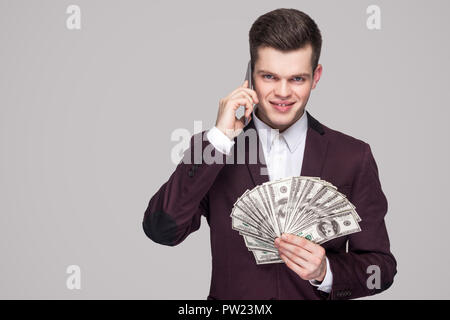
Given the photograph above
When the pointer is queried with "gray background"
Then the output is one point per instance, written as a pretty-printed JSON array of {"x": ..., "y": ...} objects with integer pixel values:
[{"x": 86, "y": 118}]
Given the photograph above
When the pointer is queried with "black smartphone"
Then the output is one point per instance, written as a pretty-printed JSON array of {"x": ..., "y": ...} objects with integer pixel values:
[{"x": 248, "y": 76}]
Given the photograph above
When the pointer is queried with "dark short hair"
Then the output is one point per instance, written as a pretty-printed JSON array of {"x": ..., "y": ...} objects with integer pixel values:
[{"x": 285, "y": 30}]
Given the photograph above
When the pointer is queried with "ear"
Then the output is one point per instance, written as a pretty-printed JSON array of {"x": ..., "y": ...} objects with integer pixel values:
[{"x": 316, "y": 76}]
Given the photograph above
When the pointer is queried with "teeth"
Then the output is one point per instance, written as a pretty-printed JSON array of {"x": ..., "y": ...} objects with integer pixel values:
[{"x": 282, "y": 104}]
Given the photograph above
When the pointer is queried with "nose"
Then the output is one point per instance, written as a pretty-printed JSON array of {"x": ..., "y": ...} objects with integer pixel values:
[{"x": 282, "y": 89}]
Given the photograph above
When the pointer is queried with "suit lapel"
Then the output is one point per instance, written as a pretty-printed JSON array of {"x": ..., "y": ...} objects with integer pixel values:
[
  {"x": 258, "y": 171},
  {"x": 313, "y": 158},
  {"x": 316, "y": 146}
]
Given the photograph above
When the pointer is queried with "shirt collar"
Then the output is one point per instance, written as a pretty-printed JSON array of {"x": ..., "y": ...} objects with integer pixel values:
[{"x": 292, "y": 135}]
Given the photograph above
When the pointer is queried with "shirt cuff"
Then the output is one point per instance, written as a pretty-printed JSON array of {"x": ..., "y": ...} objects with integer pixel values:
[
  {"x": 327, "y": 282},
  {"x": 219, "y": 140}
]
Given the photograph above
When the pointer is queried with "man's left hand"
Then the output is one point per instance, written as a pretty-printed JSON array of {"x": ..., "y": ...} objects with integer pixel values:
[{"x": 302, "y": 256}]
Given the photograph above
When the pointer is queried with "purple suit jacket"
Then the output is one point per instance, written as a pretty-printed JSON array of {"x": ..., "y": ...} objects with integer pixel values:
[{"x": 211, "y": 190}]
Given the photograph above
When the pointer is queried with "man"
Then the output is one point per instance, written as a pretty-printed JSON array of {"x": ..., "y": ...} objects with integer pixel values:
[{"x": 285, "y": 47}]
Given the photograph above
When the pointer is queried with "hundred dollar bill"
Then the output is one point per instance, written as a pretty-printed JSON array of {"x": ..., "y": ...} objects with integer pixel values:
[
  {"x": 279, "y": 192},
  {"x": 247, "y": 229},
  {"x": 240, "y": 213},
  {"x": 322, "y": 201},
  {"x": 318, "y": 194},
  {"x": 264, "y": 257},
  {"x": 318, "y": 213},
  {"x": 257, "y": 210},
  {"x": 305, "y": 206},
  {"x": 294, "y": 197},
  {"x": 329, "y": 228},
  {"x": 254, "y": 243},
  {"x": 343, "y": 205},
  {"x": 266, "y": 203},
  {"x": 243, "y": 195},
  {"x": 301, "y": 201}
]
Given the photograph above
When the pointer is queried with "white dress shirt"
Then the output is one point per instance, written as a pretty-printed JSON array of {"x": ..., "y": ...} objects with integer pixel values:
[{"x": 283, "y": 153}]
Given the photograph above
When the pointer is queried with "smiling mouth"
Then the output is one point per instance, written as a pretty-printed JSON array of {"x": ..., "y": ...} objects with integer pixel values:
[
  {"x": 282, "y": 104},
  {"x": 283, "y": 108}
]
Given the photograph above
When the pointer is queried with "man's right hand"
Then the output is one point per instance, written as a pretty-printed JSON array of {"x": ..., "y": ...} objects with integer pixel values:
[{"x": 227, "y": 122}]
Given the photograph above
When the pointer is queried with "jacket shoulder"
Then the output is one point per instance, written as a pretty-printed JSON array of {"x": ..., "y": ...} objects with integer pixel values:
[
  {"x": 345, "y": 157},
  {"x": 343, "y": 140}
]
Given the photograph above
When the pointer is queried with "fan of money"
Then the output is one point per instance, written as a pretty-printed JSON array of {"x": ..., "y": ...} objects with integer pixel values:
[{"x": 304, "y": 206}]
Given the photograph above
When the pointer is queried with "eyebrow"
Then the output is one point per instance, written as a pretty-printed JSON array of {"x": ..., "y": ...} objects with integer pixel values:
[{"x": 304, "y": 74}]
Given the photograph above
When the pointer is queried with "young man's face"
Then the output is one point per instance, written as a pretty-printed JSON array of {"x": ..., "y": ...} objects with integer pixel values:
[{"x": 283, "y": 77}]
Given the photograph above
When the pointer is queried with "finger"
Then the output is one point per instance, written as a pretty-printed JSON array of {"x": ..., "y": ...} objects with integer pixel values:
[
  {"x": 296, "y": 259},
  {"x": 240, "y": 88},
  {"x": 299, "y": 241},
  {"x": 293, "y": 266},
  {"x": 295, "y": 250},
  {"x": 249, "y": 107},
  {"x": 246, "y": 102},
  {"x": 245, "y": 88},
  {"x": 241, "y": 93},
  {"x": 250, "y": 92},
  {"x": 248, "y": 110}
]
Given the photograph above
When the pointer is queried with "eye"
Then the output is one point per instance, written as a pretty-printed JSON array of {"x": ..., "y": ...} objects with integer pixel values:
[
  {"x": 299, "y": 78},
  {"x": 267, "y": 75}
]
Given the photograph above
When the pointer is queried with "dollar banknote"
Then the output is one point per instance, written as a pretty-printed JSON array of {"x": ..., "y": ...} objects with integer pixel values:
[{"x": 307, "y": 207}]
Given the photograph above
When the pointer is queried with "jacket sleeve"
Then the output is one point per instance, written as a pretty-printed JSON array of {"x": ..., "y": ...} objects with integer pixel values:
[
  {"x": 368, "y": 267},
  {"x": 175, "y": 210}
]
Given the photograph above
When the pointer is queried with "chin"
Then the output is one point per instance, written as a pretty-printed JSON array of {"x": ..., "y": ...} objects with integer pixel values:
[{"x": 282, "y": 119}]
